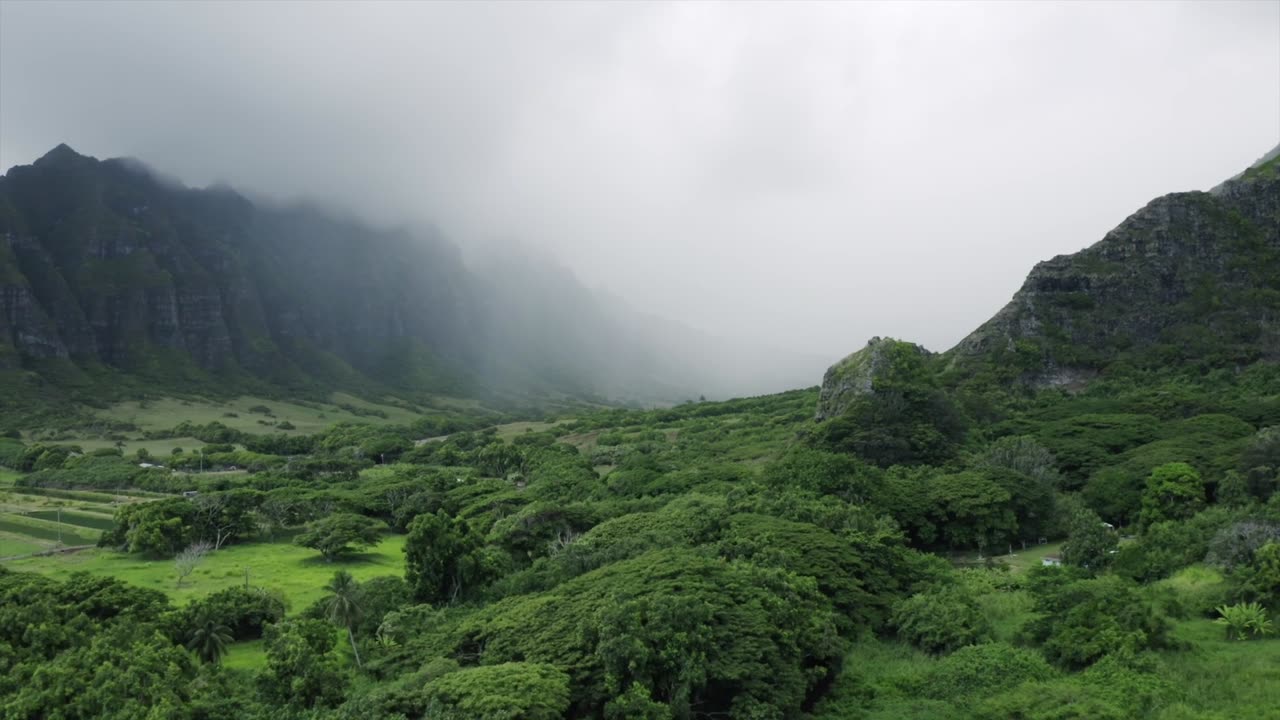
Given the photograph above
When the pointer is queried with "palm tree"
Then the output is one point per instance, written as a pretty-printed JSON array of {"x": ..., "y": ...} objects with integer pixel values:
[
  {"x": 343, "y": 606},
  {"x": 210, "y": 640}
]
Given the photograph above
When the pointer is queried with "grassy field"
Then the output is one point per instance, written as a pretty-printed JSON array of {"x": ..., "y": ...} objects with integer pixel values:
[
  {"x": 159, "y": 449},
  {"x": 245, "y": 413},
  {"x": 14, "y": 544},
  {"x": 1218, "y": 674},
  {"x": 510, "y": 430},
  {"x": 240, "y": 414},
  {"x": 1019, "y": 561},
  {"x": 299, "y": 573}
]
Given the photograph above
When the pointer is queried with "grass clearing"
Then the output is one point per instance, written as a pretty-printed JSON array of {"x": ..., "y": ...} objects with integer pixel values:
[
  {"x": 511, "y": 430},
  {"x": 879, "y": 680},
  {"x": 1225, "y": 676},
  {"x": 248, "y": 655},
  {"x": 1019, "y": 561},
  {"x": 300, "y": 573}
]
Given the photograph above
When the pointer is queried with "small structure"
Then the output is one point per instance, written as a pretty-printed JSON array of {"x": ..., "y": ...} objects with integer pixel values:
[{"x": 1051, "y": 560}]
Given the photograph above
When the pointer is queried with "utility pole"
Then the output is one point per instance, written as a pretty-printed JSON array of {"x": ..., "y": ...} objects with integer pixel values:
[{"x": 59, "y": 524}]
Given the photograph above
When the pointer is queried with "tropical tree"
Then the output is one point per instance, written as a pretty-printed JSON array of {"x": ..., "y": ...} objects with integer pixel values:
[
  {"x": 971, "y": 510},
  {"x": 343, "y": 607},
  {"x": 509, "y": 691},
  {"x": 1174, "y": 492},
  {"x": 1090, "y": 542},
  {"x": 1079, "y": 620},
  {"x": 443, "y": 557},
  {"x": 1260, "y": 579},
  {"x": 338, "y": 533},
  {"x": 1260, "y": 463},
  {"x": 209, "y": 640},
  {"x": 301, "y": 669},
  {"x": 1243, "y": 620}
]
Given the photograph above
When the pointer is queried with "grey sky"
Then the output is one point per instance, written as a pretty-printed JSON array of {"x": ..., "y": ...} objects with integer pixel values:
[{"x": 809, "y": 174}]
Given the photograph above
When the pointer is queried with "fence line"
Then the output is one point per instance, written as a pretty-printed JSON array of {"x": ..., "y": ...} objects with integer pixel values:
[{"x": 43, "y": 553}]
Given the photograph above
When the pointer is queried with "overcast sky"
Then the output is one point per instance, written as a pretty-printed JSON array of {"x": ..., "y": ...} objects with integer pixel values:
[{"x": 810, "y": 174}]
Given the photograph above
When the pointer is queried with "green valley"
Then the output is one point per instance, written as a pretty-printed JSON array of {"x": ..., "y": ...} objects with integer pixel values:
[{"x": 259, "y": 461}]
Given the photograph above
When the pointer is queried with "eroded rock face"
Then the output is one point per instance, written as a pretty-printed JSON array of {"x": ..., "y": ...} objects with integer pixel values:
[
  {"x": 857, "y": 374},
  {"x": 104, "y": 262},
  {"x": 30, "y": 330},
  {"x": 1191, "y": 277}
]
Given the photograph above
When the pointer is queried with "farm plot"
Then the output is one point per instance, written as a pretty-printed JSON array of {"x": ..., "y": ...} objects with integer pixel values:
[
  {"x": 50, "y": 532},
  {"x": 33, "y": 520}
]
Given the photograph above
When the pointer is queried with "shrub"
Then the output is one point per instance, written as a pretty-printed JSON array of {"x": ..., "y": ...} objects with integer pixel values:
[
  {"x": 1244, "y": 620},
  {"x": 1081, "y": 620},
  {"x": 246, "y": 611},
  {"x": 985, "y": 668},
  {"x": 941, "y": 620}
]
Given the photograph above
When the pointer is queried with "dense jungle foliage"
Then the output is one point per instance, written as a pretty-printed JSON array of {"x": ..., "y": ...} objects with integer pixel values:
[{"x": 710, "y": 560}]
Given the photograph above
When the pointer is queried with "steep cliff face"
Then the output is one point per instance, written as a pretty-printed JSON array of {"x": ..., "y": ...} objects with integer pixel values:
[
  {"x": 104, "y": 264},
  {"x": 101, "y": 262},
  {"x": 1191, "y": 278}
]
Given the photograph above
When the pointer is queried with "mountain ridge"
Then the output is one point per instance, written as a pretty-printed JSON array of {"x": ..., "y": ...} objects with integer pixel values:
[
  {"x": 114, "y": 274},
  {"x": 1189, "y": 279}
]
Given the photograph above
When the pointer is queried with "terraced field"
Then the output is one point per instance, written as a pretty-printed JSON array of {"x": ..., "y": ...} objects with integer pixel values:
[
  {"x": 33, "y": 520},
  {"x": 92, "y": 521},
  {"x": 46, "y": 531}
]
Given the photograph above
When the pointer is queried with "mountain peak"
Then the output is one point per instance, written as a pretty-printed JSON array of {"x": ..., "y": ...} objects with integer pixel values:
[{"x": 60, "y": 154}]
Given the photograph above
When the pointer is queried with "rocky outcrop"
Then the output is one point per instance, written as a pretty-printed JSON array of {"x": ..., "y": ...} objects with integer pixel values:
[{"x": 862, "y": 372}]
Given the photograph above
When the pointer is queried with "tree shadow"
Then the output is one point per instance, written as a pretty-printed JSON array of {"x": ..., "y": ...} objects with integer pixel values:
[{"x": 344, "y": 560}]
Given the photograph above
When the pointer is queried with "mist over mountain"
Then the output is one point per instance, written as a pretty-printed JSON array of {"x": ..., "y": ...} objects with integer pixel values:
[
  {"x": 107, "y": 263},
  {"x": 793, "y": 176}
]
